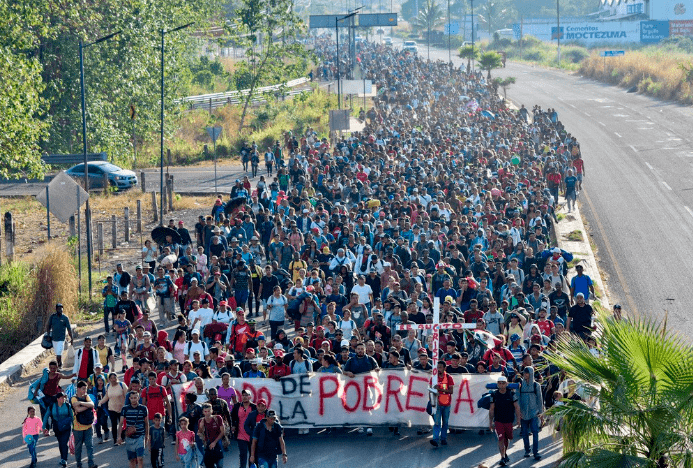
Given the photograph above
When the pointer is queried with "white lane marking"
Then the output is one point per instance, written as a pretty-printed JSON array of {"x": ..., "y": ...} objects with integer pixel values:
[
  {"x": 587, "y": 114},
  {"x": 633, "y": 148},
  {"x": 690, "y": 212},
  {"x": 666, "y": 185},
  {"x": 571, "y": 105},
  {"x": 649, "y": 166},
  {"x": 602, "y": 124},
  {"x": 616, "y": 133}
]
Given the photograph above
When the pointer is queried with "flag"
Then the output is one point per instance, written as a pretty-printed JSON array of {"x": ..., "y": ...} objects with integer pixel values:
[{"x": 473, "y": 105}]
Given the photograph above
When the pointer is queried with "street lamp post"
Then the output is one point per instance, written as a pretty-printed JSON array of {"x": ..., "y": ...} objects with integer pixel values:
[
  {"x": 449, "y": 34},
  {"x": 87, "y": 217},
  {"x": 472, "y": 34},
  {"x": 161, "y": 180},
  {"x": 558, "y": 30}
]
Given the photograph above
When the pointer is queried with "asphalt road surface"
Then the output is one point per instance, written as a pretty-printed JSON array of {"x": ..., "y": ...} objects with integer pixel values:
[{"x": 341, "y": 449}]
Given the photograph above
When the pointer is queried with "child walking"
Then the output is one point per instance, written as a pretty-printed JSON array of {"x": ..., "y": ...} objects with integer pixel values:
[
  {"x": 185, "y": 445},
  {"x": 156, "y": 442},
  {"x": 31, "y": 428}
]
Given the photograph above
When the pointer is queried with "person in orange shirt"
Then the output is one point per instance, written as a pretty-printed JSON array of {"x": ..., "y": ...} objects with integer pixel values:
[{"x": 445, "y": 387}]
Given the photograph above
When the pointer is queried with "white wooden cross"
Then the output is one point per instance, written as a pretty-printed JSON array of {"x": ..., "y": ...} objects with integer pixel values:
[{"x": 436, "y": 326}]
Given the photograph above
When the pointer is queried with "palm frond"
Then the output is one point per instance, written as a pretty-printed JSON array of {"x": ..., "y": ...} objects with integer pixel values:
[{"x": 602, "y": 458}]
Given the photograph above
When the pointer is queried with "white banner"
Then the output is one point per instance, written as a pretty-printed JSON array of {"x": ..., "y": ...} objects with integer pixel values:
[{"x": 386, "y": 398}]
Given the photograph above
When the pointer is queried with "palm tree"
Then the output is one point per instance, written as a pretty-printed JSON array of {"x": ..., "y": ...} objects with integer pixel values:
[
  {"x": 469, "y": 53},
  {"x": 641, "y": 389},
  {"x": 505, "y": 84},
  {"x": 489, "y": 61},
  {"x": 430, "y": 17}
]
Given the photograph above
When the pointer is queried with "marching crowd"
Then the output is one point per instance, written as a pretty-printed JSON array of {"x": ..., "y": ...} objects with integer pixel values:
[{"x": 446, "y": 193}]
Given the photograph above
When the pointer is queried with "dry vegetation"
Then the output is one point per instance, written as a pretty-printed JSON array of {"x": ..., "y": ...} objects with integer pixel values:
[{"x": 662, "y": 73}]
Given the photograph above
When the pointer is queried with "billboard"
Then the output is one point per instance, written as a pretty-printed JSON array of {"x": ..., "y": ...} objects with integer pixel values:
[
  {"x": 681, "y": 28},
  {"x": 671, "y": 9},
  {"x": 586, "y": 33},
  {"x": 328, "y": 21},
  {"x": 653, "y": 31}
]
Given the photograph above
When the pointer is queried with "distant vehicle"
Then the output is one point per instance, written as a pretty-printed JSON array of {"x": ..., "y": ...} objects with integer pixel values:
[
  {"x": 506, "y": 33},
  {"x": 387, "y": 40},
  {"x": 358, "y": 39},
  {"x": 117, "y": 177},
  {"x": 467, "y": 43},
  {"x": 410, "y": 46}
]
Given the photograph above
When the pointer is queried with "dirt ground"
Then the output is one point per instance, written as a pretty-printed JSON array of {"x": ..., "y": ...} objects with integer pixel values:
[{"x": 31, "y": 232}]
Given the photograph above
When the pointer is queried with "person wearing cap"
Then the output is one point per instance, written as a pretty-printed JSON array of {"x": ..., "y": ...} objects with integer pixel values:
[
  {"x": 82, "y": 408},
  {"x": 241, "y": 283},
  {"x": 195, "y": 344},
  {"x": 268, "y": 442},
  {"x": 85, "y": 360},
  {"x": 110, "y": 295},
  {"x": 580, "y": 317},
  {"x": 503, "y": 411},
  {"x": 57, "y": 326},
  {"x": 165, "y": 292}
]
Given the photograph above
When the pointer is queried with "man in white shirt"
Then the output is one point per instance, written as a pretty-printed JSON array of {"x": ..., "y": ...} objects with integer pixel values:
[
  {"x": 203, "y": 316},
  {"x": 364, "y": 291}
]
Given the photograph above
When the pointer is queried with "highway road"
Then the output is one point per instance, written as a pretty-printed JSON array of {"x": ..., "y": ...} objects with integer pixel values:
[{"x": 638, "y": 190}]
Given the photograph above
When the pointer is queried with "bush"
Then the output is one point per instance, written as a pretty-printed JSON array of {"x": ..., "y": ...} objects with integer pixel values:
[
  {"x": 28, "y": 296},
  {"x": 535, "y": 55},
  {"x": 576, "y": 55}
]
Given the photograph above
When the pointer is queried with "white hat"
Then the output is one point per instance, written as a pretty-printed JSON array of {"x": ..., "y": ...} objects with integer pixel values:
[
  {"x": 502, "y": 378},
  {"x": 556, "y": 250},
  {"x": 195, "y": 332},
  {"x": 278, "y": 346}
]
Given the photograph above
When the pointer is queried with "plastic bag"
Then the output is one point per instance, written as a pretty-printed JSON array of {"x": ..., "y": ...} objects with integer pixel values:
[
  {"x": 70, "y": 353},
  {"x": 71, "y": 444}
]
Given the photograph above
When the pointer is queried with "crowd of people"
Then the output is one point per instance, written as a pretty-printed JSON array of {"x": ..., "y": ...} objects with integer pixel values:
[{"x": 447, "y": 193}]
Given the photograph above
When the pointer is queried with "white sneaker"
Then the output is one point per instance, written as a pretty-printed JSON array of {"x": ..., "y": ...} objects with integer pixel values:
[{"x": 369, "y": 432}]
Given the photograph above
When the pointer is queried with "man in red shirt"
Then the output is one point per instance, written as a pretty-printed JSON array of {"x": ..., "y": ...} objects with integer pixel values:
[
  {"x": 237, "y": 334},
  {"x": 319, "y": 338},
  {"x": 445, "y": 388},
  {"x": 544, "y": 324},
  {"x": 154, "y": 397},
  {"x": 474, "y": 312}
]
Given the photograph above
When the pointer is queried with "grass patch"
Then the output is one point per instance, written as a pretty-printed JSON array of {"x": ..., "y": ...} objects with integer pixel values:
[
  {"x": 575, "y": 236},
  {"x": 574, "y": 262},
  {"x": 560, "y": 216},
  {"x": 28, "y": 294}
]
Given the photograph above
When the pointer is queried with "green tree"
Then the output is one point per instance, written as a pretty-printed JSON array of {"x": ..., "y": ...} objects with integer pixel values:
[
  {"x": 470, "y": 53},
  {"x": 490, "y": 60},
  {"x": 497, "y": 14},
  {"x": 21, "y": 105},
  {"x": 505, "y": 84},
  {"x": 638, "y": 408},
  {"x": 118, "y": 73},
  {"x": 267, "y": 29},
  {"x": 430, "y": 17}
]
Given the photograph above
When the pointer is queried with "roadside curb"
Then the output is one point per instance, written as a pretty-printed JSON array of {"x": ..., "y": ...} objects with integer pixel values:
[
  {"x": 580, "y": 248},
  {"x": 23, "y": 361}
]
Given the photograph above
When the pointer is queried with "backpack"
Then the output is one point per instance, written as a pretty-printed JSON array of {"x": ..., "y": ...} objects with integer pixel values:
[
  {"x": 35, "y": 392},
  {"x": 204, "y": 348},
  {"x": 485, "y": 401},
  {"x": 64, "y": 423},
  {"x": 86, "y": 418}
]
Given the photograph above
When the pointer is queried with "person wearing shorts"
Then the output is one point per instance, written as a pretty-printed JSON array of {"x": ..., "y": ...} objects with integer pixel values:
[
  {"x": 503, "y": 412},
  {"x": 136, "y": 418},
  {"x": 58, "y": 326}
]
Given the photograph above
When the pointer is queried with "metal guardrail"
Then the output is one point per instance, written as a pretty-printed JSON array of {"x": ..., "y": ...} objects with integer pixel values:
[
  {"x": 211, "y": 101},
  {"x": 213, "y": 104}
]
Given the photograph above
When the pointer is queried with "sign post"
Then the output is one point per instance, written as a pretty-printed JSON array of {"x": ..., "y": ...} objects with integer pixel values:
[
  {"x": 611, "y": 53},
  {"x": 214, "y": 133}
]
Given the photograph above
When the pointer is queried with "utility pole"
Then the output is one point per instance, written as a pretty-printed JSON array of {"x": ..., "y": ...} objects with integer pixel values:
[
  {"x": 472, "y": 34},
  {"x": 558, "y": 30},
  {"x": 449, "y": 33}
]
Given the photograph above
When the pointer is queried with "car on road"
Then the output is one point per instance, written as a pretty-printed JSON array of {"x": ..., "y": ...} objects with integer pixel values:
[
  {"x": 387, "y": 40},
  {"x": 410, "y": 46},
  {"x": 118, "y": 177}
]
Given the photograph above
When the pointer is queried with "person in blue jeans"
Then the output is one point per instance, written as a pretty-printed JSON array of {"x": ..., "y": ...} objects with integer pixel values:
[
  {"x": 445, "y": 387},
  {"x": 268, "y": 442},
  {"x": 531, "y": 410}
]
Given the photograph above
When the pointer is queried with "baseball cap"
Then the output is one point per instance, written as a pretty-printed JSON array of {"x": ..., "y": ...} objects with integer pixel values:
[
  {"x": 502, "y": 378},
  {"x": 262, "y": 401},
  {"x": 195, "y": 332}
]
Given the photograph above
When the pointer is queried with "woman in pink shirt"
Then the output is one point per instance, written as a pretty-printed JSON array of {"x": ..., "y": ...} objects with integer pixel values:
[
  {"x": 31, "y": 429},
  {"x": 226, "y": 392}
]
